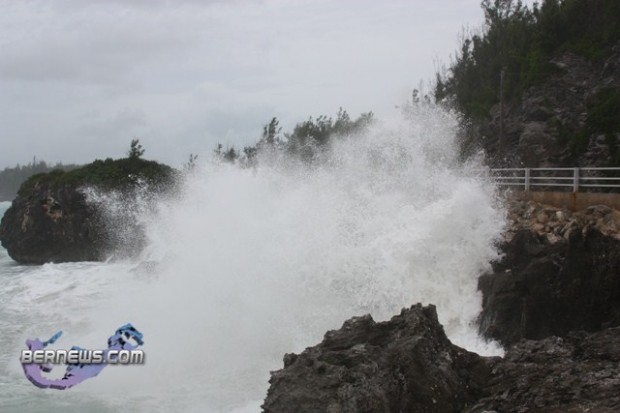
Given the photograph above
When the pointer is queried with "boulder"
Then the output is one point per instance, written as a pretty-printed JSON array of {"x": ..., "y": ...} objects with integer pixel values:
[
  {"x": 406, "y": 364},
  {"x": 52, "y": 220},
  {"x": 52, "y": 225}
]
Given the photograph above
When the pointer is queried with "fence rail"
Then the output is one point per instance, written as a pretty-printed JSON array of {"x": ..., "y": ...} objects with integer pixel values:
[{"x": 567, "y": 179}]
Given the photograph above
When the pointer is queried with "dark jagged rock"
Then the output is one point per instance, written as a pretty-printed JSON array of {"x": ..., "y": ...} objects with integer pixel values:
[
  {"x": 541, "y": 289},
  {"x": 579, "y": 373},
  {"x": 406, "y": 364},
  {"x": 52, "y": 221},
  {"x": 52, "y": 225}
]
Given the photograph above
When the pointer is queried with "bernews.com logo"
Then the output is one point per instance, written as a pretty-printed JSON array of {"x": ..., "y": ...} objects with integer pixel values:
[{"x": 82, "y": 364}]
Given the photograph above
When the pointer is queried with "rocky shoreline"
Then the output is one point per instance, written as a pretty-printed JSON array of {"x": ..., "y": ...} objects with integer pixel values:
[
  {"x": 553, "y": 300},
  {"x": 408, "y": 364}
]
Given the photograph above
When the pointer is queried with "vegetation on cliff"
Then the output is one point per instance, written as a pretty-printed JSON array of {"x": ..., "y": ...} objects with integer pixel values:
[
  {"x": 520, "y": 42},
  {"x": 106, "y": 174},
  {"x": 540, "y": 86},
  {"x": 119, "y": 174},
  {"x": 52, "y": 219}
]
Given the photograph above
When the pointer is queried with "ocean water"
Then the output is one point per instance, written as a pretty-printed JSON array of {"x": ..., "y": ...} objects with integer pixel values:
[{"x": 245, "y": 265}]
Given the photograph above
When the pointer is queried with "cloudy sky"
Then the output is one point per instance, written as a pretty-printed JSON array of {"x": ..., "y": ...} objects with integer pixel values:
[{"x": 80, "y": 78}]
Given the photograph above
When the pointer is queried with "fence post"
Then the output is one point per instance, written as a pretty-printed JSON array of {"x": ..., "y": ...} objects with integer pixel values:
[
  {"x": 526, "y": 182},
  {"x": 575, "y": 179}
]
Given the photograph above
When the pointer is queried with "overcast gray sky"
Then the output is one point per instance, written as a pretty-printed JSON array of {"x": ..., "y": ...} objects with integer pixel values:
[{"x": 80, "y": 78}]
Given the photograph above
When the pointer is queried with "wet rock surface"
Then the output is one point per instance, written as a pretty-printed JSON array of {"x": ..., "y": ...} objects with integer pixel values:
[
  {"x": 557, "y": 275},
  {"x": 52, "y": 226},
  {"x": 406, "y": 364},
  {"x": 578, "y": 373}
]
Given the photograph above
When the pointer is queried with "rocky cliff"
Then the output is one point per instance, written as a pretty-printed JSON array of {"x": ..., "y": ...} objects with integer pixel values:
[
  {"x": 560, "y": 272},
  {"x": 539, "y": 84},
  {"x": 567, "y": 120}
]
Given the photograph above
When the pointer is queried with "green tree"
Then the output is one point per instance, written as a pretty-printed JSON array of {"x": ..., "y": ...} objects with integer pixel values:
[
  {"x": 191, "y": 162},
  {"x": 271, "y": 132},
  {"x": 135, "y": 149}
]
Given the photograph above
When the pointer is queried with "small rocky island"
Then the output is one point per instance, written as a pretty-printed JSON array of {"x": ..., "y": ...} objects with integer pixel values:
[{"x": 50, "y": 220}]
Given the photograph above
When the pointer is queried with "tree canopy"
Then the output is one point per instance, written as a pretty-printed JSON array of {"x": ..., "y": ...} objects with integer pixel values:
[
  {"x": 304, "y": 142},
  {"x": 520, "y": 42}
]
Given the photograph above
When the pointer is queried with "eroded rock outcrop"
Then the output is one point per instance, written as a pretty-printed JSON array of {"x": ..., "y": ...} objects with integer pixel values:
[
  {"x": 406, "y": 364},
  {"x": 52, "y": 219},
  {"x": 576, "y": 374},
  {"x": 560, "y": 272},
  {"x": 52, "y": 225}
]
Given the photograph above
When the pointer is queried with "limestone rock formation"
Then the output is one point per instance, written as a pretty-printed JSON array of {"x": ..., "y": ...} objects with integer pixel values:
[
  {"x": 406, "y": 364},
  {"x": 554, "y": 224}
]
